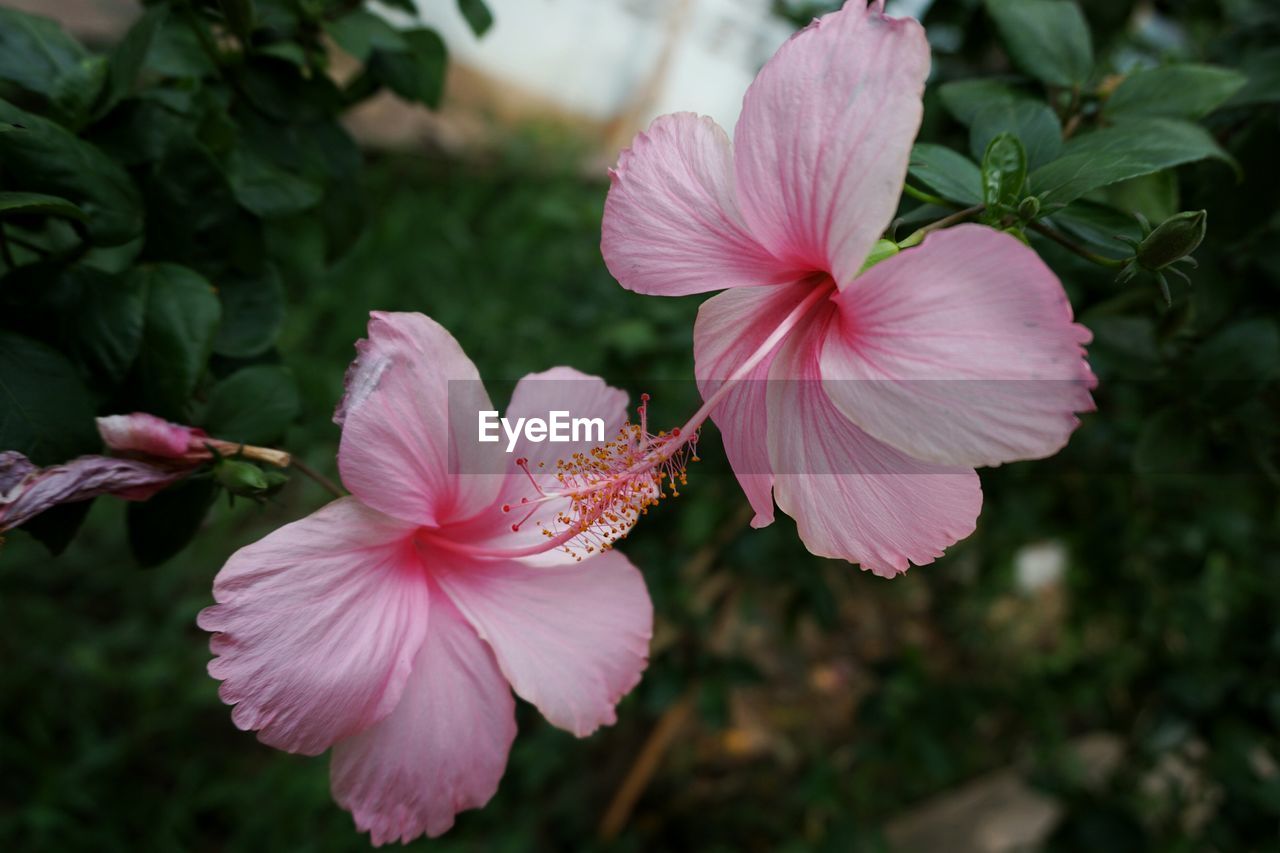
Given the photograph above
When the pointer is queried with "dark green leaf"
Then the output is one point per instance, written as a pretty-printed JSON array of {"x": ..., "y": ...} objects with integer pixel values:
[
  {"x": 268, "y": 190},
  {"x": 1175, "y": 91},
  {"x": 1048, "y": 39},
  {"x": 281, "y": 91},
  {"x": 176, "y": 51},
  {"x": 1098, "y": 225},
  {"x": 252, "y": 313},
  {"x": 57, "y": 526},
  {"x": 38, "y": 204},
  {"x": 1155, "y": 196},
  {"x": 1004, "y": 171},
  {"x": 1033, "y": 122},
  {"x": 128, "y": 58},
  {"x": 1263, "y": 72},
  {"x": 416, "y": 74},
  {"x": 478, "y": 16},
  {"x": 946, "y": 172},
  {"x": 361, "y": 32},
  {"x": 37, "y": 155},
  {"x": 107, "y": 322},
  {"x": 45, "y": 410},
  {"x": 1137, "y": 147},
  {"x": 36, "y": 54},
  {"x": 182, "y": 314},
  {"x": 964, "y": 99},
  {"x": 161, "y": 527},
  {"x": 254, "y": 405}
]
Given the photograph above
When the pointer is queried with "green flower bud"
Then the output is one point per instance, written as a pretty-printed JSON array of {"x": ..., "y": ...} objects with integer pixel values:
[
  {"x": 1176, "y": 238},
  {"x": 881, "y": 250},
  {"x": 240, "y": 478},
  {"x": 1029, "y": 208}
]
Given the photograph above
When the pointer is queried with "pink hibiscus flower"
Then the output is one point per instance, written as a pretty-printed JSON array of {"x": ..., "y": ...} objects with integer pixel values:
[
  {"x": 885, "y": 386},
  {"x": 392, "y": 626}
]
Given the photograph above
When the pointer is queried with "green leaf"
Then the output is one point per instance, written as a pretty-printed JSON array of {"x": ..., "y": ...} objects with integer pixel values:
[
  {"x": 252, "y": 314},
  {"x": 1048, "y": 39},
  {"x": 1004, "y": 172},
  {"x": 268, "y": 190},
  {"x": 1137, "y": 147},
  {"x": 57, "y": 526},
  {"x": 37, "y": 54},
  {"x": 1175, "y": 91},
  {"x": 176, "y": 52},
  {"x": 46, "y": 412},
  {"x": 38, "y": 204},
  {"x": 1263, "y": 72},
  {"x": 161, "y": 527},
  {"x": 128, "y": 58},
  {"x": 964, "y": 99},
  {"x": 1033, "y": 122},
  {"x": 181, "y": 319},
  {"x": 37, "y": 155},
  {"x": 416, "y": 74},
  {"x": 1098, "y": 225},
  {"x": 361, "y": 32},
  {"x": 948, "y": 173},
  {"x": 478, "y": 16},
  {"x": 255, "y": 405},
  {"x": 107, "y": 322}
]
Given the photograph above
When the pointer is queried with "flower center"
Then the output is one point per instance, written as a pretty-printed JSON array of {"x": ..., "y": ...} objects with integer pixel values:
[{"x": 604, "y": 491}]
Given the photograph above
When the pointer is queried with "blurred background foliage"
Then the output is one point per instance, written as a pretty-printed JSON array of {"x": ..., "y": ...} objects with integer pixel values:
[{"x": 1097, "y": 667}]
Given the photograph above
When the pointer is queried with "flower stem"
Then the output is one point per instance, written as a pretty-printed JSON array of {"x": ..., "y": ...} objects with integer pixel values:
[
  {"x": 928, "y": 198},
  {"x": 959, "y": 216},
  {"x": 323, "y": 481}
]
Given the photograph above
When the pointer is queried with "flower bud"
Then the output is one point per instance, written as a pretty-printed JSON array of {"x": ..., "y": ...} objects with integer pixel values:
[
  {"x": 1176, "y": 238},
  {"x": 240, "y": 478},
  {"x": 1029, "y": 208}
]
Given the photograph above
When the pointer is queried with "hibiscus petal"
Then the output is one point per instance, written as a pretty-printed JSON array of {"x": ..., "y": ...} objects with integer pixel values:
[
  {"x": 317, "y": 625},
  {"x": 960, "y": 351},
  {"x": 671, "y": 225},
  {"x": 26, "y": 491},
  {"x": 572, "y": 640},
  {"x": 536, "y": 396},
  {"x": 444, "y": 747},
  {"x": 409, "y": 420},
  {"x": 854, "y": 497},
  {"x": 822, "y": 145},
  {"x": 729, "y": 328},
  {"x": 144, "y": 433}
]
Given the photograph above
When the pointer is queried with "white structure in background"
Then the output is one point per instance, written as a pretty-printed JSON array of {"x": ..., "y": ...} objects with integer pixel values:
[{"x": 619, "y": 59}]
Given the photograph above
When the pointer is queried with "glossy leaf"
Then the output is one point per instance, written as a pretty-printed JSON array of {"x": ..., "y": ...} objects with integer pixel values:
[
  {"x": 1176, "y": 91},
  {"x": 38, "y": 204},
  {"x": 1048, "y": 39},
  {"x": 1033, "y": 122},
  {"x": 182, "y": 314},
  {"x": 964, "y": 99},
  {"x": 37, "y": 155},
  {"x": 948, "y": 173},
  {"x": 1106, "y": 156},
  {"x": 1004, "y": 172},
  {"x": 254, "y": 405},
  {"x": 46, "y": 412},
  {"x": 38, "y": 55}
]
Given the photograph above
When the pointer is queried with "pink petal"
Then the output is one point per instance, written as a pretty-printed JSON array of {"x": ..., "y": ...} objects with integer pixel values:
[
  {"x": 26, "y": 491},
  {"x": 536, "y": 395},
  {"x": 571, "y": 639},
  {"x": 825, "y": 135},
  {"x": 853, "y": 497},
  {"x": 671, "y": 224},
  {"x": 444, "y": 747},
  {"x": 411, "y": 395},
  {"x": 961, "y": 351},
  {"x": 317, "y": 625},
  {"x": 144, "y": 433},
  {"x": 730, "y": 327}
]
